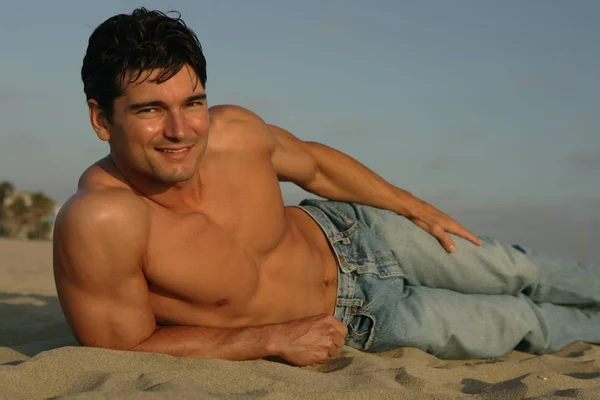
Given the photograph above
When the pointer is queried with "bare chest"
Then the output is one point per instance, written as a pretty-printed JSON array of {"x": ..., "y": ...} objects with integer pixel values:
[{"x": 212, "y": 258}]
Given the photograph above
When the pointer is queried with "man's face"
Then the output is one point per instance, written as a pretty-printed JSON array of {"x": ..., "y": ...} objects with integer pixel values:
[{"x": 161, "y": 130}]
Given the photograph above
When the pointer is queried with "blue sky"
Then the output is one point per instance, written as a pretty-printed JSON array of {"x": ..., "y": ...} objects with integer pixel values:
[{"x": 486, "y": 109}]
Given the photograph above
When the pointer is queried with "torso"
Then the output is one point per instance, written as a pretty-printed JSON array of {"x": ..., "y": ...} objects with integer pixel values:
[{"x": 241, "y": 258}]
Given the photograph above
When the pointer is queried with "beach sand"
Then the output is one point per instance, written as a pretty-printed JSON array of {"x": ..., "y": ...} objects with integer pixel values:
[{"x": 39, "y": 358}]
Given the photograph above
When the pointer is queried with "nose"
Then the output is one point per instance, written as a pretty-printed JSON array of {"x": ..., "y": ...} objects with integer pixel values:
[{"x": 175, "y": 126}]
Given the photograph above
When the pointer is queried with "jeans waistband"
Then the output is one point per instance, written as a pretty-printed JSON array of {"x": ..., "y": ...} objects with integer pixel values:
[{"x": 346, "y": 301}]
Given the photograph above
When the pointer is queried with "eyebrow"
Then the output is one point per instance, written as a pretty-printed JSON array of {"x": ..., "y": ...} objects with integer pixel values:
[{"x": 158, "y": 103}]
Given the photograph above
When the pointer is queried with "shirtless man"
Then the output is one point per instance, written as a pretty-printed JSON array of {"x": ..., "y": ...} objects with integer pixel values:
[{"x": 179, "y": 242}]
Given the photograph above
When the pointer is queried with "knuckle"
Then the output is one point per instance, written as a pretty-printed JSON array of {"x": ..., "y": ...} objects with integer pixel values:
[
  {"x": 419, "y": 221},
  {"x": 437, "y": 229}
]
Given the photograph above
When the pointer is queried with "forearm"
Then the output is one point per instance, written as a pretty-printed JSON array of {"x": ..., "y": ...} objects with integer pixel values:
[
  {"x": 340, "y": 177},
  {"x": 234, "y": 344}
]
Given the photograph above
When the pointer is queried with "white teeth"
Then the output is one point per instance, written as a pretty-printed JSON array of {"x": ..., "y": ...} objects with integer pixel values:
[{"x": 173, "y": 151}]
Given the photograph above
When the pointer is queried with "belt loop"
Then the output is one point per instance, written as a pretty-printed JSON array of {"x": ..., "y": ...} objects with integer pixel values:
[{"x": 350, "y": 302}]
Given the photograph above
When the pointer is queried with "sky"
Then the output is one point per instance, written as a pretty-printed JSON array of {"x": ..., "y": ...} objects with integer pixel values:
[{"x": 486, "y": 109}]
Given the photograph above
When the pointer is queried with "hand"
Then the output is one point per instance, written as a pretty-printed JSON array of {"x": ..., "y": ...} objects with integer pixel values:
[
  {"x": 432, "y": 220},
  {"x": 307, "y": 341}
]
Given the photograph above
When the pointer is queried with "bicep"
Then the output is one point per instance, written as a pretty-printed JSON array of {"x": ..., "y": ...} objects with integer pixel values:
[
  {"x": 101, "y": 286},
  {"x": 292, "y": 158}
]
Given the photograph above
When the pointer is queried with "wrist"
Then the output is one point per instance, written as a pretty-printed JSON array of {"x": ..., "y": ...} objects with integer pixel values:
[
  {"x": 404, "y": 202},
  {"x": 270, "y": 335}
]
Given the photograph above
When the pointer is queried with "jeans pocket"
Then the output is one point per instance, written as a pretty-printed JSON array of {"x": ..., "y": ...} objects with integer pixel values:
[
  {"x": 361, "y": 331},
  {"x": 365, "y": 251}
]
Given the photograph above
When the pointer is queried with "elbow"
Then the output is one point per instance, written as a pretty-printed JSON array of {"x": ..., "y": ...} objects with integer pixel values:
[
  {"x": 140, "y": 345},
  {"x": 116, "y": 342},
  {"x": 314, "y": 183},
  {"x": 312, "y": 172}
]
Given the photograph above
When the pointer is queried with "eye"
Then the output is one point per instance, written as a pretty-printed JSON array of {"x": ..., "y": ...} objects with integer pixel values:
[
  {"x": 147, "y": 111},
  {"x": 194, "y": 104}
]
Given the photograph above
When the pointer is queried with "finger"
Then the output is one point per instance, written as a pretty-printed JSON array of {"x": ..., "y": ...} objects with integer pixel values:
[
  {"x": 465, "y": 234},
  {"x": 438, "y": 232},
  {"x": 455, "y": 227},
  {"x": 444, "y": 238},
  {"x": 342, "y": 329},
  {"x": 332, "y": 351},
  {"x": 338, "y": 339},
  {"x": 421, "y": 223},
  {"x": 323, "y": 359},
  {"x": 338, "y": 325}
]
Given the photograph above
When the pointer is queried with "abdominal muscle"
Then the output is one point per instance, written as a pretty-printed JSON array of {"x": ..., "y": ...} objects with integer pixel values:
[{"x": 222, "y": 284}]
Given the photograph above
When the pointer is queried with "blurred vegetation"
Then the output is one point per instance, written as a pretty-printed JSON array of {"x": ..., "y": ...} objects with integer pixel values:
[{"x": 25, "y": 215}]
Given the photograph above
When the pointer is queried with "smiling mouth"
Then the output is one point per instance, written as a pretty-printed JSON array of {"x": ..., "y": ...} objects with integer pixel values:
[{"x": 180, "y": 150}]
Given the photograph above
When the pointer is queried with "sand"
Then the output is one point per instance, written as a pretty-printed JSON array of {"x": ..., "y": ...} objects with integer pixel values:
[{"x": 39, "y": 358}]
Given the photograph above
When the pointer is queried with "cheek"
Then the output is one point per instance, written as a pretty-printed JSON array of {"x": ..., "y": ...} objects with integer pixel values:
[{"x": 145, "y": 131}]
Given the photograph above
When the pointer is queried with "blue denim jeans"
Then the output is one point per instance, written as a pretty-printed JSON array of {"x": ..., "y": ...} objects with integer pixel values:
[{"x": 397, "y": 286}]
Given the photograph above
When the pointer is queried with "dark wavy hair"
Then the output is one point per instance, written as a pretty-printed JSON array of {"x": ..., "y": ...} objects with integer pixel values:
[{"x": 135, "y": 43}]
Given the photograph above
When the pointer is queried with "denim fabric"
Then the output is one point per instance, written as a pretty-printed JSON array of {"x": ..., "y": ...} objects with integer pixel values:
[{"x": 397, "y": 286}]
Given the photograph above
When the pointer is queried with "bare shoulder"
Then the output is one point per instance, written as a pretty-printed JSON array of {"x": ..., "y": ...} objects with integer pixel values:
[
  {"x": 237, "y": 125},
  {"x": 99, "y": 223},
  {"x": 99, "y": 206},
  {"x": 103, "y": 197},
  {"x": 224, "y": 113},
  {"x": 102, "y": 174}
]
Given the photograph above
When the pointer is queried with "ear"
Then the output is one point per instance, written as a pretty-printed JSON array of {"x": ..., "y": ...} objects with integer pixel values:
[{"x": 99, "y": 121}]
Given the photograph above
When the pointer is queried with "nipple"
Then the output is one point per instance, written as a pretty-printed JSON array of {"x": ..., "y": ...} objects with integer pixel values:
[{"x": 221, "y": 303}]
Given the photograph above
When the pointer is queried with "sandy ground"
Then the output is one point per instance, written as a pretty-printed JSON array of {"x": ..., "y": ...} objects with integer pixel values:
[{"x": 40, "y": 359}]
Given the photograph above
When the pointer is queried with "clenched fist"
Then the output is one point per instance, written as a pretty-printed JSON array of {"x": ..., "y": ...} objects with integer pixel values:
[{"x": 307, "y": 341}]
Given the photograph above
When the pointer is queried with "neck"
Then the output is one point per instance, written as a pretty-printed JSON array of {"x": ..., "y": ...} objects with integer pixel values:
[{"x": 181, "y": 197}]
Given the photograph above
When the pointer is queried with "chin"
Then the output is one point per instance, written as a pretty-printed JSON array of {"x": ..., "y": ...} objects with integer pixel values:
[
  {"x": 174, "y": 173},
  {"x": 175, "y": 178}
]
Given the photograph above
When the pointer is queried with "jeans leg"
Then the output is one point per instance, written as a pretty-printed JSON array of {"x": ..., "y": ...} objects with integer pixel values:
[
  {"x": 453, "y": 325},
  {"x": 492, "y": 268},
  {"x": 404, "y": 289}
]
